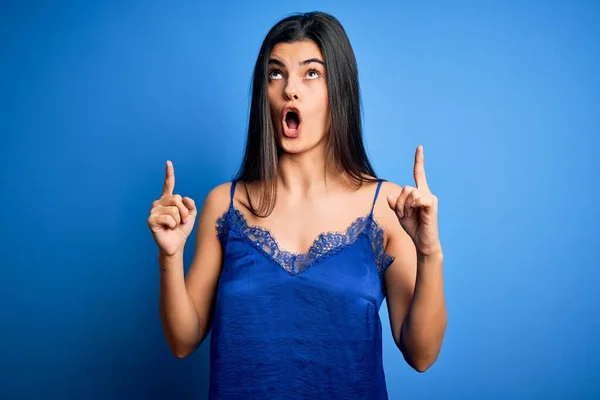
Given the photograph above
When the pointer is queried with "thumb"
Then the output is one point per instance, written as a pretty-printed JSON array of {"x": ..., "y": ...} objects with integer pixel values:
[
  {"x": 392, "y": 200},
  {"x": 191, "y": 205}
]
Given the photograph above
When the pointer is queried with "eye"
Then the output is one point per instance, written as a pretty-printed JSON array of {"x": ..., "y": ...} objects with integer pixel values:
[
  {"x": 313, "y": 74},
  {"x": 275, "y": 74}
]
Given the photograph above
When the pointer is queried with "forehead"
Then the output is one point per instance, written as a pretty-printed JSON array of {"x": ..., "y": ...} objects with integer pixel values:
[{"x": 296, "y": 52}]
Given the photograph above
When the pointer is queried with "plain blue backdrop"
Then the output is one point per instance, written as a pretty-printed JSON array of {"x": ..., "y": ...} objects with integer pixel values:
[{"x": 94, "y": 98}]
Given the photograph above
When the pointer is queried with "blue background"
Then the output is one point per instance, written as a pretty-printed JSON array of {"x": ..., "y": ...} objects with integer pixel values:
[{"x": 94, "y": 98}]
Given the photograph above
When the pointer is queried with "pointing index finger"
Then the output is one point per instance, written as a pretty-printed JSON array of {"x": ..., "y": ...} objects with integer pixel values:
[
  {"x": 169, "y": 184},
  {"x": 419, "y": 169}
]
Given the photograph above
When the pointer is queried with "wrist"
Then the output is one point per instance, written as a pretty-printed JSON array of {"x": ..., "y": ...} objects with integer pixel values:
[
  {"x": 431, "y": 256},
  {"x": 166, "y": 259}
]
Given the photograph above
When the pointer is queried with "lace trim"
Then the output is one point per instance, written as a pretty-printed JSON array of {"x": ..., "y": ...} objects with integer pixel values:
[{"x": 326, "y": 244}]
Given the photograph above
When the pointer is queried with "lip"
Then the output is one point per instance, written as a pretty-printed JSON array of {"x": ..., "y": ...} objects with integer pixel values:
[{"x": 291, "y": 132}]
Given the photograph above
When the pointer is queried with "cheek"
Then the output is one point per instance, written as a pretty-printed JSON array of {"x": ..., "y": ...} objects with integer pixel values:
[
  {"x": 320, "y": 108},
  {"x": 324, "y": 109},
  {"x": 270, "y": 97},
  {"x": 273, "y": 103},
  {"x": 324, "y": 99}
]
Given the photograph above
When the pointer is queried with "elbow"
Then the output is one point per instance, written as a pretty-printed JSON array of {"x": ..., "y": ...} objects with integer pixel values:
[
  {"x": 183, "y": 347},
  {"x": 420, "y": 359},
  {"x": 181, "y": 352},
  {"x": 420, "y": 352},
  {"x": 178, "y": 351},
  {"x": 420, "y": 362},
  {"x": 423, "y": 364}
]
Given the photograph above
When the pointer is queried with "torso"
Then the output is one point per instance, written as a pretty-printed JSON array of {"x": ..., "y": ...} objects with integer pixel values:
[{"x": 301, "y": 325}]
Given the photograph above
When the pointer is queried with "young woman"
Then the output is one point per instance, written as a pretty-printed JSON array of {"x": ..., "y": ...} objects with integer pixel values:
[{"x": 295, "y": 256}]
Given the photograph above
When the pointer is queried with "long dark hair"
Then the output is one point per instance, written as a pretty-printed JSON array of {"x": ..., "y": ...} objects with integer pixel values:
[{"x": 345, "y": 145}]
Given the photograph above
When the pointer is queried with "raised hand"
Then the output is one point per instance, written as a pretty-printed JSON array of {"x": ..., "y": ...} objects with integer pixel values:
[
  {"x": 416, "y": 209},
  {"x": 172, "y": 217}
]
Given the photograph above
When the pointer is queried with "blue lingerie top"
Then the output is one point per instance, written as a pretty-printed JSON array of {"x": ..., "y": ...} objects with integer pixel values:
[{"x": 298, "y": 326}]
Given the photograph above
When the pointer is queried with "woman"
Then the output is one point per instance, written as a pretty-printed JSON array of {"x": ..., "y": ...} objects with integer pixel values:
[{"x": 294, "y": 257}]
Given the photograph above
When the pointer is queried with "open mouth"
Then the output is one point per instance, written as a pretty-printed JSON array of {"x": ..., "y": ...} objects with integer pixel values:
[{"x": 292, "y": 122}]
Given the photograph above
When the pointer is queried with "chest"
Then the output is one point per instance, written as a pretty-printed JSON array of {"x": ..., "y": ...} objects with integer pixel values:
[
  {"x": 335, "y": 266},
  {"x": 296, "y": 229}
]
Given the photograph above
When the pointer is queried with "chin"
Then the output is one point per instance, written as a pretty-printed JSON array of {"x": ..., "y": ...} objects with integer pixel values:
[
  {"x": 293, "y": 146},
  {"x": 298, "y": 145}
]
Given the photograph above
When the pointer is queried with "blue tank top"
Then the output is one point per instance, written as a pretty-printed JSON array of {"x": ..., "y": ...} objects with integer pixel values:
[{"x": 298, "y": 326}]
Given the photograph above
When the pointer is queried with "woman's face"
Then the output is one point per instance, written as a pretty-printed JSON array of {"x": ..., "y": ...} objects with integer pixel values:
[{"x": 297, "y": 90}]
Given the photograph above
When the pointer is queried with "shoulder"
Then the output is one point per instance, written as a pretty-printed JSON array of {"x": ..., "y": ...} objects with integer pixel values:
[
  {"x": 388, "y": 187},
  {"x": 217, "y": 200},
  {"x": 382, "y": 209},
  {"x": 384, "y": 214}
]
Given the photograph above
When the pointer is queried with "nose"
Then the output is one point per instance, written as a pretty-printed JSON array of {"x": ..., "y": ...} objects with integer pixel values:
[{"x": 291, "y": 92}]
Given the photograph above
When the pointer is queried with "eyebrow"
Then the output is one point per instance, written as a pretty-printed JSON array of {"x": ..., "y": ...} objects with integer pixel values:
[{"x": 305, "y": 62}]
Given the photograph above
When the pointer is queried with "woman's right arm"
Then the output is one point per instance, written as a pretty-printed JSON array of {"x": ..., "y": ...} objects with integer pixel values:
[{"x": 186, "y": 304}]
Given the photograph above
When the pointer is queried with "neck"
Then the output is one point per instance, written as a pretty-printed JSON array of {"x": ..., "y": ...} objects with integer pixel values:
[{"x": 307, "y": 172}]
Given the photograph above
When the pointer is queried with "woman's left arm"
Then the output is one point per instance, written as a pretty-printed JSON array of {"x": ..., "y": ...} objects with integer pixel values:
[{"x": 414, "y": 281}]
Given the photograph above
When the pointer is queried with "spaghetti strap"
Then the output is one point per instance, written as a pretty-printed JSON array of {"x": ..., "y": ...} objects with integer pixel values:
[
  {"x": 376, "y": 194},
  {"x": 232, "y": 193}
]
